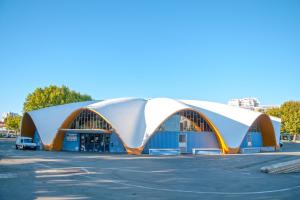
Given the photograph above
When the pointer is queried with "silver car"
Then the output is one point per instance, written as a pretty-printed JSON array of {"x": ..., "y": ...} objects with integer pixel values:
[{"x": 25, "y": 143}]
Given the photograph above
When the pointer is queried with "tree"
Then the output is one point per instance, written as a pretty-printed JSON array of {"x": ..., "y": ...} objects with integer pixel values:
[
  {"x": 275, "y": 112},
  {"x": 12, "y": 122},
  {"x": 291, "y": 117},
  {"x": 52, "y": 96},
  {"x": 289, "y": 112}
]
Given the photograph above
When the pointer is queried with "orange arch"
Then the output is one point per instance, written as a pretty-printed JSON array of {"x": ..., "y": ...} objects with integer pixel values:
[
  {"x": 218, "y": 135},
  {"x": 27, "y": 126},
  {"x": 57, "y": 142},
  {"x": 59, "y": 137},
  {"x": 267, "y": 130}
]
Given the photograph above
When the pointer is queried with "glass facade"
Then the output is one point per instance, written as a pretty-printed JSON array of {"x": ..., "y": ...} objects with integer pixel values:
[
  {"x": 89, "y": 132},
  {"x": 185, "y": 130},
  {"x": 255, "y": 127},
  {"x": 253, "y": 138},
  {"x": 186, "y": 121},
  {"x": 89, "y": 120}
]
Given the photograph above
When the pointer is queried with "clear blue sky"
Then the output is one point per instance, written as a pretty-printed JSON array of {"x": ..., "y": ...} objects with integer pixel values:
[{"x": 210, "y": 50}]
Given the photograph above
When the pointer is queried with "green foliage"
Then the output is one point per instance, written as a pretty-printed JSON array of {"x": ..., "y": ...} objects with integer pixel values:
[
  {"x": 289, "y": 112},
  {"x": 290, "y": 117},
  {"x": 52, "y": 96},
  {"x": 275, "y": 112},
  {"x": 12, "y": 122}
]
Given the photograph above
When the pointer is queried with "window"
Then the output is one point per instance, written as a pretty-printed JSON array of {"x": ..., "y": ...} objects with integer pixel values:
[
  {"x": 255, "y": 127},
  {"x": 182, "y": 138},
  {"x": 184, "y": 121},
  {"x": 89, "y": 120}
]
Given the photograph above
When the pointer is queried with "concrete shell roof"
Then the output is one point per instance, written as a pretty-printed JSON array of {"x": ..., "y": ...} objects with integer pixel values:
[
  {"x": 135, "y": 119},
  {"x": 126, "y": 116},
  {"x": 232, "y": 122},
  {"x": 48, "y": 120}
]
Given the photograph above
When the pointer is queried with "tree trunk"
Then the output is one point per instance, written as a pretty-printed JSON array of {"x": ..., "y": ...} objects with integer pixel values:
[{"x": 294, "y": 137}]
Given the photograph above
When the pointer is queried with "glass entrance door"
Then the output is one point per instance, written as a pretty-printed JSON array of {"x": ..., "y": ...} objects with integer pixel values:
[
  {"x": 97, "y": 143},
  {"x": 91, "y": 142},
  {"x": 182, "y": 142}
]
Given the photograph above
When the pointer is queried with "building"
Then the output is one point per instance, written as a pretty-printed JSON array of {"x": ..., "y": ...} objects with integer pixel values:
[
  {"x": 248, "y": 103},
  {"x": 2, "y": 126},
  {"x": 142, "y": 126},
  {"x": 251, "y": 104}
]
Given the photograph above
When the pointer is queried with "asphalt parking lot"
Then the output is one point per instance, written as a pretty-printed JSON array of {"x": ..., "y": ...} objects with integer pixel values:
[{"x": 67, "y": 175}]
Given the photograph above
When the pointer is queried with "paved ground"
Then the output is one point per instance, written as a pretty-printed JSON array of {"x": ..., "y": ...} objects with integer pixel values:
[{"x": 65, "y": 175}]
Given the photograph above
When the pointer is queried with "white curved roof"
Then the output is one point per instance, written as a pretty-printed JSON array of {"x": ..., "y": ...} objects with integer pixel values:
[
  {"x": 48, "y": 120},
  {"x": 126, "y": 116},
  {"x": 135, "y": 120},
  {"x": 232, "y": 122},
  {"x": 157, "y": 111},
  {"x": 276, "y": 125}
]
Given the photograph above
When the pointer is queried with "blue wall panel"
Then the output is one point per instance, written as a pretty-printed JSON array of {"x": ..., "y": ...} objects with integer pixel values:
[
  {"x": 37, "y": 140},
  {"x": 256, "y": 139},
  {"x": 172, "y": 124},
  {"x": 169, "y": 139},
  {"x": 71, "y": 145},
  {"x": 162, "y": 140},
  {"x": 201, "y": 140},
  {"x": 116, "y": 145}
]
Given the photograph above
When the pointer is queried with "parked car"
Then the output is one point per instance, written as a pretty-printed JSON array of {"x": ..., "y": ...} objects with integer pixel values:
[
  {"x": 25, "y": 143},
  {"x": 281, "y": 144},
  {"x": 286, "y": 136},
  {"x": 9, "y": 135}
]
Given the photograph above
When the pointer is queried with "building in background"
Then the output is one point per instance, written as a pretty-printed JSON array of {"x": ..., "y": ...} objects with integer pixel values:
[
  {"x": 2, "y": 126},
  {"x": 251, "y": 104},
  {"x": 247, "y": 103}
]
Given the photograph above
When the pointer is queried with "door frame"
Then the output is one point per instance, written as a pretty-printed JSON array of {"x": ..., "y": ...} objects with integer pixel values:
[
  {"x": 102, "y": 141},
  {"x": 182, "y": 145}
]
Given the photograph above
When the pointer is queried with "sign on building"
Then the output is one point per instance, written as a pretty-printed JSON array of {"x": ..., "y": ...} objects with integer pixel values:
[{"x": 71, "y": 137}]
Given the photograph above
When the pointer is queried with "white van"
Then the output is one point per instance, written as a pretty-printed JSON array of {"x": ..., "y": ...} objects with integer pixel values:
[{"x": 25, "y": 143}]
